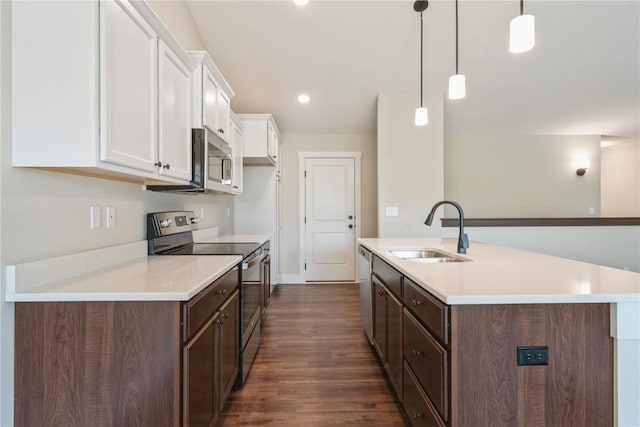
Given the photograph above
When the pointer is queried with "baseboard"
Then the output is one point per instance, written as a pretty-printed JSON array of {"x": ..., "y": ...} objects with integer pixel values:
[{"x": 291, "y": 279}]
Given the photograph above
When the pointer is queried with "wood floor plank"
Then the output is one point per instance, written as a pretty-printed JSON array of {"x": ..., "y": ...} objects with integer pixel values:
[{"x": 314, "y": 366}]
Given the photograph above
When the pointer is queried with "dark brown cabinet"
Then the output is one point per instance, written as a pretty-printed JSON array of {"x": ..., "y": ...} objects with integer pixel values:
[
  {"x": 127, "y": 363},
  {"x": 200, "y": 393},
  {"x": 228, "y": 333},
  {"x": 387, "y": 329}
]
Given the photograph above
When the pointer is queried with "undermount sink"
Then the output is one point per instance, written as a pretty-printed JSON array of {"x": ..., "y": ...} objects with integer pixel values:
[{"x": 424, "y": 255}]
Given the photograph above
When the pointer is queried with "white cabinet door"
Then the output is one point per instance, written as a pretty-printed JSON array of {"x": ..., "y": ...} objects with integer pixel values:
[
  {"x": 224, "y": 110},
  {"x": 209, "y": 101},
  {"x": 174, "y": 100},
  {"x": 238, "y": 146},
  {"x": 128, "y": 108}
]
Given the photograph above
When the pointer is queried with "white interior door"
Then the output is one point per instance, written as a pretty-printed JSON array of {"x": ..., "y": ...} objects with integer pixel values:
[{"x": 330, "y": 219}]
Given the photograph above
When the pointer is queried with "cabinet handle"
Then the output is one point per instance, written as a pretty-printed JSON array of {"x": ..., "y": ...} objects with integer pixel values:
[
  {"x": 417, "y": 415},
  {"x": 158, "y": 164},
  {"x": 416, "y": 302},
  {"x": 381, "y": 292},
  {"x": 416, "y": 353},
  {"x": 167, "y": 166},
  {"x": 225, "y": 316},
  {"x": 221, "y": 291},
  {"x": 350, "y": 225},
  {"x": 221, "y": 130}
]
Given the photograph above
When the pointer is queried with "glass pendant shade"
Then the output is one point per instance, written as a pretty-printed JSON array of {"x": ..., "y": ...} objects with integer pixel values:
[
  {"x": 457, "y": 86},
  {"x": 422, "y": 116},
  {"x": 522, "y": 33}
]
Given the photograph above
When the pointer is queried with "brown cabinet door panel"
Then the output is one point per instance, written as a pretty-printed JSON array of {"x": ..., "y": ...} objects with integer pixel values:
[
  {"x": 419, "y": 409},
  {"x": 379, "y": 319},
  {"x": 394, "y": 343},
  {"x": 199, "y": 308},
  {"x": 433, "y": 313},
  {"x": 428, "y": 360},
  {"x": 200, "y": 377},
  {"x": 229, "y": 346},
  {"x": 391, "y": 278}
]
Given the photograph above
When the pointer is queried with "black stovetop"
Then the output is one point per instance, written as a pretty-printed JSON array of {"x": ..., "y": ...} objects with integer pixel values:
[{"x": 244, "y": 249}]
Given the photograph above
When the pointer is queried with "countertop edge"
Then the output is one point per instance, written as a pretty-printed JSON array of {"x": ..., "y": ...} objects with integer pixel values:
[{"x": 503, "y": 299}]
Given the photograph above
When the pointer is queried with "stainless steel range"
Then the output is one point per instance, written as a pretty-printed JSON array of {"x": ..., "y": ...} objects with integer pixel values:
[{"x": 170, "y": 233}]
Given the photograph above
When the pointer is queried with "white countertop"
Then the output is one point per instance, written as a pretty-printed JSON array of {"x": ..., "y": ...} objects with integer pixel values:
[
  {"x": 501, "y": 275},
  {"x": 154, "y": 278}
]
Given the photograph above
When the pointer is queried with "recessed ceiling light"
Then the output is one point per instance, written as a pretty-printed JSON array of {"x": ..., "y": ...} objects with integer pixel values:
[
  {"x": 301, "y": 2},
  {"x": 303, "y": 98}
]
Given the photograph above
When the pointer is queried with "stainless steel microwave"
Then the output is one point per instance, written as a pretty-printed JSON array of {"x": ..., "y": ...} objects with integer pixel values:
[{"x": 212, "y": 166}]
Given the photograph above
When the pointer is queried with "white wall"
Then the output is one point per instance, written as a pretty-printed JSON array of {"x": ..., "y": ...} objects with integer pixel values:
[
  {"x": 44, "y": 214},
  {"x": 620, "y": 186},
  {"x": 292, "y": 144},
  {"x": 410, "y": 164},
  {"x": 177, "y": 17},
  {"x": 617, "y": 247},
  {"x": 522, "y": 176}
]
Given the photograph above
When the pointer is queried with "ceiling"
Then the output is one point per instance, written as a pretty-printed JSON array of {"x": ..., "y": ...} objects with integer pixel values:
[{"x": 582, "y": 77}]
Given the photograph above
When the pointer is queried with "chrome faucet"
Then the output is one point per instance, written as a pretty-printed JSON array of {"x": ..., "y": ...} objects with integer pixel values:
[{"x": 463, "y": 240}]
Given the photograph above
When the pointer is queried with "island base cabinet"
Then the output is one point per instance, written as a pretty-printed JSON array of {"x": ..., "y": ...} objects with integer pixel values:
[
  {"x": 489, "y": 388},
  {"x": 97, "y": 364}
]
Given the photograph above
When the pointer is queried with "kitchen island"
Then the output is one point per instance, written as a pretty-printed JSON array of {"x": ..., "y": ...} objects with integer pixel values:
[{"x": 476, "y": 317}]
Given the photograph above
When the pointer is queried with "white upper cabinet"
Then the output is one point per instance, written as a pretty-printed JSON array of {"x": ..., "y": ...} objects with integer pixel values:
[
  {"x": 128, "y": 58},
  {"x": 237, "y": 137},
  {"x": 212, "y": 97},
  {"x": 175, "y": 102},
  {"x": 101, "y": 87},
  {"x": 261, "y": 139}
]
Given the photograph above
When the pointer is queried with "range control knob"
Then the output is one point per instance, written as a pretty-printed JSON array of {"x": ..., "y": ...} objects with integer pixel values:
[
  {"x": 194, "y": 220},
  {"x": 166, "y": 223}
]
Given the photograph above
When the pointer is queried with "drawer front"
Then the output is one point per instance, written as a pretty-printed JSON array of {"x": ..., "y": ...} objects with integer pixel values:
[
  {"x": 433, "y": 313},
  {"x": 199, "y": 308},
  {"x": 428, "y": 360},
  {"x": 419, "y": 409},
  {"x": 389, "y": 275}
]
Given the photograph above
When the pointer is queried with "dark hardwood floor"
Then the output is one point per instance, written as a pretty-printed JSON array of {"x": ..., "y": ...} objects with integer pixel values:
[{"x": 314, "y": 366}]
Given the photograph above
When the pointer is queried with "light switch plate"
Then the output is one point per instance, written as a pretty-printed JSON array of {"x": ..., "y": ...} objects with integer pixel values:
[
  {"x": 391, "y": 211},
  {"x": 96, "y": 217}
]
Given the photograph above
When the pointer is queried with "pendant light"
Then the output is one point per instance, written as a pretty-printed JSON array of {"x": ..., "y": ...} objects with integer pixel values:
[
  {"x": 422, "y": 114},
  {"x": 522, "y": 32},
  {"x": 457, "y": 84}
]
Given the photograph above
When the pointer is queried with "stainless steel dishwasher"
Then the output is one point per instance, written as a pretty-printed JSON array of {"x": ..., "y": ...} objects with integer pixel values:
[{"x": 366, "y": 306}]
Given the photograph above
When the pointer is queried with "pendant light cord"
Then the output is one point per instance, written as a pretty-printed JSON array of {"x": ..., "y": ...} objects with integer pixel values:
[
  {"x": 456, "y": 36},
  {"x": 521, "y": 7},
  {"x": 421, "y": 38}
]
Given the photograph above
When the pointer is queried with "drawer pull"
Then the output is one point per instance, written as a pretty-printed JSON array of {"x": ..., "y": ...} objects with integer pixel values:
[
  {"x": 416, "y": 302},
  {"x": 417, "y": 415},
  {"x": 416, "y": 353},
  {"x": 225, "y": 316},
  {"x": 221, "y": 291},
  {"x": 381, "y": 292}
]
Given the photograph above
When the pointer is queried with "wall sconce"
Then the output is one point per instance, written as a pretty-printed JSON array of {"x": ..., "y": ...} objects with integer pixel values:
[{"x": 582, "y": 169}]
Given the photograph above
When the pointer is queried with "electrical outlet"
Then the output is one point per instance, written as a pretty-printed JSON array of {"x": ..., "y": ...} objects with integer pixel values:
[
  {"x": 533, "y": 356},
  {"x": 111, "y": 217},
  {"x": 391, "y": 211}
]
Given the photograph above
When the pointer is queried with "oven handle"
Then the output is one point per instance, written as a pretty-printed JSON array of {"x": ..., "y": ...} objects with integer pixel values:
[{"x": 253, "y": 261}]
